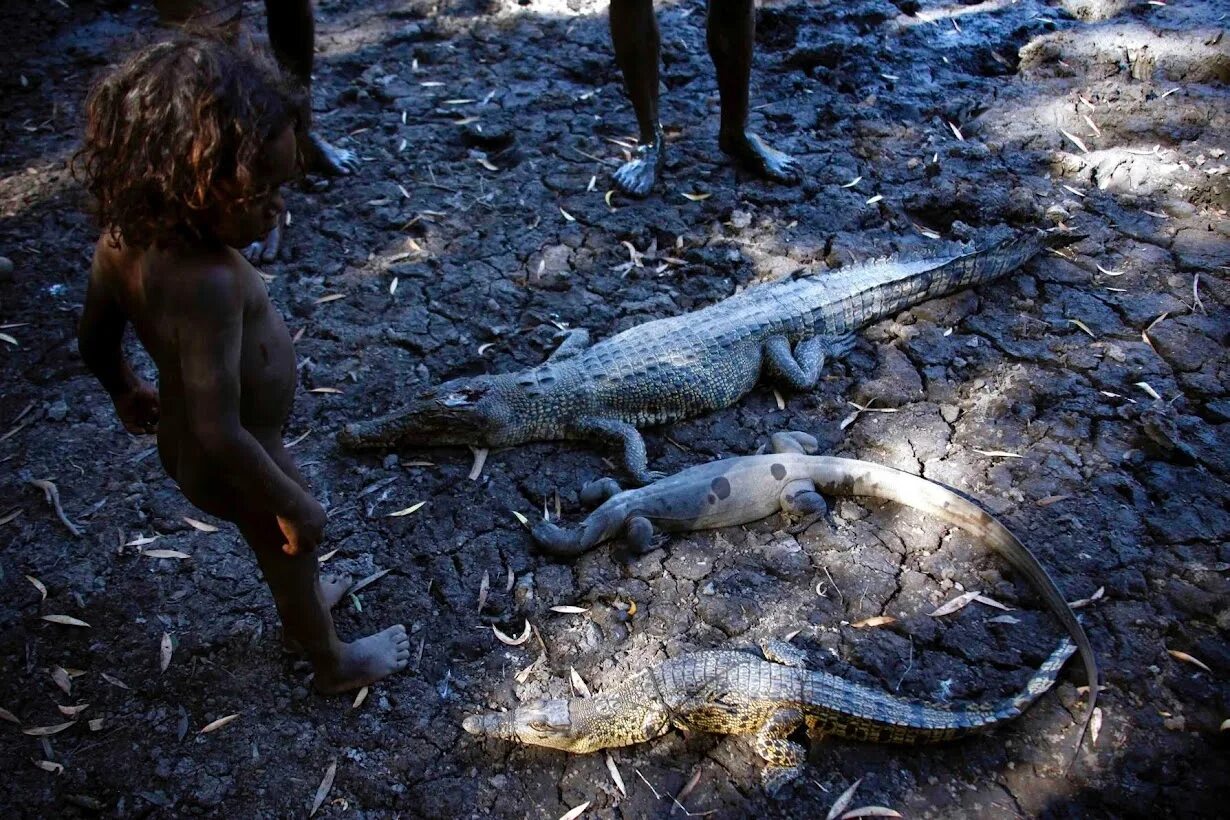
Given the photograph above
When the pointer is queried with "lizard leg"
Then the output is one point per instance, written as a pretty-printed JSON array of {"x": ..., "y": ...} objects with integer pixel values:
[
  {"x": 783, "y": 653},
  {"x": 575, "y": 341},
  {"x": 800, "y": 369},
  {"x": 794, "y": 442},
  {"x": 599, "y": 490},
  {"x": 785, "y": 758},
  {"x": 638, "y": 532},
  {"x": 801, "y": 505},
  {"x": 619, "y": 433}
]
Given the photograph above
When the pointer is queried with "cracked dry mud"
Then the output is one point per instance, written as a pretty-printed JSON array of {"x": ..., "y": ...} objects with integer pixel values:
[{"x": 1110, "y": 487}]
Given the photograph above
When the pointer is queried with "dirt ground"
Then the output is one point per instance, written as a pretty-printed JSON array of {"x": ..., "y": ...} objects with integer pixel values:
[{"x": 1085, "y": 401}]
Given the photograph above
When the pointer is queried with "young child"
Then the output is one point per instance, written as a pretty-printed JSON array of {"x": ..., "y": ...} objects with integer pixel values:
[{"x": 186, "y": 147}]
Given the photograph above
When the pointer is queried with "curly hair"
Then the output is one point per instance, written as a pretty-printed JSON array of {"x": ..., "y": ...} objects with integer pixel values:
[{"x": 170, "y": 123}]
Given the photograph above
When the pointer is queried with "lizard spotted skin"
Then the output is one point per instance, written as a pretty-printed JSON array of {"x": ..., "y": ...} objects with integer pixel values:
[{"x": 685, "y": 365}]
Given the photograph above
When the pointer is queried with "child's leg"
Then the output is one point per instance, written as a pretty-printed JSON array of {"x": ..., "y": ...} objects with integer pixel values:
[{"x": 295, "y": 584}]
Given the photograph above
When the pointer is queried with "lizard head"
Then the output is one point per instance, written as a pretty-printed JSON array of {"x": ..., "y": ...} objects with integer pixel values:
[{"x": 474, "y": 410}]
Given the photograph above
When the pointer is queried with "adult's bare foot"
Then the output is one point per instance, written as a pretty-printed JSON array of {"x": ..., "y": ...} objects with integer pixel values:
[
  {"x": 751, "y": 152},
  {"x": 637, "y": 176},
  {"x": 366, "y": 661},
  {"x": 321, "y": 157},
  {"x": 267, "y": 249}
]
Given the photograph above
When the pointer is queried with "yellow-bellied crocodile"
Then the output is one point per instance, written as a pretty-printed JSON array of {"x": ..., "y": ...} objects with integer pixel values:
[
  {"x": 685, "y": 365},
  {"x": 733, "y": 692}
]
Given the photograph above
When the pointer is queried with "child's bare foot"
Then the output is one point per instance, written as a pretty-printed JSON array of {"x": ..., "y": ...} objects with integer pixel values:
[
  {"x": 366, "y": 661},
  {"x": 322, "y": 157},
  {"x": 333, "y": 588}
]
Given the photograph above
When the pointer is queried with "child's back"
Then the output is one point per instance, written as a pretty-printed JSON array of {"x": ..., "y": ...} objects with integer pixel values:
[{"x": 187, "y": 147}]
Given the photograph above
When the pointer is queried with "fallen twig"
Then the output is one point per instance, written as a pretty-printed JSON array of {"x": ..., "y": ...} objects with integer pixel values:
[{"x": 53, "y": 496}]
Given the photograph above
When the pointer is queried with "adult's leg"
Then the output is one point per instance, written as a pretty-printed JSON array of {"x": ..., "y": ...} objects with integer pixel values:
[
  {"x": 292, "y": 35},
  {"x": 731, "y": 35},
  {"x": 634, "y": 34},
  {"x": 304, "y": 611}
]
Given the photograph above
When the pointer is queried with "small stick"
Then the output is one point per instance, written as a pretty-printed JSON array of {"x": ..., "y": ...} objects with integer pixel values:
[{"x": 53, "y": 496}]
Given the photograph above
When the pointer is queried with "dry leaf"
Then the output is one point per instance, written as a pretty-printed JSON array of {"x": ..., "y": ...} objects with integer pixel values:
[
  {"x": 4, "y": 337},
  {"x": 72, "y": 711},
  {"x": 66, "y": 620},
  {"x": 488, "y": 164},
  {"x": 699, "y": 197},
  {"x": 570, "y": 610},
  {"x": 877, "y": 620},
  {"x": 368, "y": 581},
  {"x": 956, "y": 132},
  {"x": 325, "y": 390},
  {"x": 1074, "y": 191},
  {"x": 217, "y": 724},
  {"x": 870, "y": 811},
  {"x": 1148, "y": 389},
  {"x": 1186, "y": 658},
  {"x": 42, "y": 590},
  {"x": 998, "y": 453},
  {"x": 777, "y": 397},
  {"x": 176, "y": 554},
  {"x": 44, "y": 731},
  {"x": 322, "y": 791},
  {"x": 48, "y": 765},
  {"x": 607, "y": 199},
  {"x": 1095, "y": 725},
  {"x": 332, "y": 297},
  {"x": 1052, "y": 499},
  {"x": 853, "y": 182},
  {"x": 164, "y": 652},
  {"x": 982, "y": 599},
  {"x": 615, "y": 775},
  {"x": 96, "y": 725},
  {"x": 1083, "y": 327},
  {"x": 578, "y": 683},
  {"x": 960, "y": 602},
  {"x": 328, "y": 555},
  {"x": 359, "y": 698},
  {"x": 114, "y": 681},
  {"x": 574, "y": 813},
  {"x": 844, "y": 800},
  {"x": 406, "y": 511},
  {"x": 60, "y": 675},
  {"x": 484, "y": 588},
  {"x": 873, "y": 200},
  {"x": 1109, "y": 272},
  {"x": 5, "y": 714},
  {"x": 1004, "y": 619},
  {"x": 1087, "y": 601},
  {"x": 1075, "y": 141},
  {"x": 480, "y": 457},
  {"x": 200, "y": 525},
  {"x": 517, "y": 641},
  {"x": 524, "y": 674},
  {"x": 525, "y": 522},
  {"x": 141, "y": 541},
  {"x": 567, "y": 215}
]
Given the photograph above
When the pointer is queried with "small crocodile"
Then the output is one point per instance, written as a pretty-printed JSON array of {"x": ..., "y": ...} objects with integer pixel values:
[
  {"x": 742, "y": 489},
  {"x": 733, "y": 692},
  {"x": 685, "y": 365}
]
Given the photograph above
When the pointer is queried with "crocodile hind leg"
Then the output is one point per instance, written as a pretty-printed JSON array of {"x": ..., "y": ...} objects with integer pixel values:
[
  {"x": 619, "y": 433},
  {"x": 783, "y": 653},
  {"x": 801, "y": 505},
  {"x": 784, "y": 758},
  {"x": 800, "y": 369}
]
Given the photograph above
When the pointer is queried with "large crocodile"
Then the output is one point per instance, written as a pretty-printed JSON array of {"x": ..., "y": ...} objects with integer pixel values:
[
  {"x": 732, "y": 692},
  {"x": 685, "y": 365}
]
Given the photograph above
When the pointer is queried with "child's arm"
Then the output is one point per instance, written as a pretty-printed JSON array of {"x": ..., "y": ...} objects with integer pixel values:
[
  {"x": 210, "y": 341},
  {"x": 100, "y": 339}
]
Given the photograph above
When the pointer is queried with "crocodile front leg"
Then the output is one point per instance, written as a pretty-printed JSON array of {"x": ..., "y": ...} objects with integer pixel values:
[
  {"x": 620, "y": 434},
  {"x": 800, "y": 369},
  {"x": 785, "y": 758},
  {"x": 575, "y": 341}
]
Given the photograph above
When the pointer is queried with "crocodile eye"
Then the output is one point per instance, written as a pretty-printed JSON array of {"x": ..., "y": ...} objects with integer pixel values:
[{"x": 540, "y": 726}]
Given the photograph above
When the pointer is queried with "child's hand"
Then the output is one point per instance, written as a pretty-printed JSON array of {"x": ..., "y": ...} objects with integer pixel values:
[
  {"x": 304, "y": 531},
  {"x": 138, "y": 409}
]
